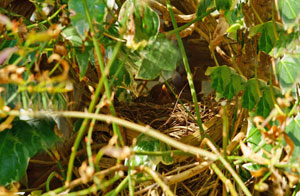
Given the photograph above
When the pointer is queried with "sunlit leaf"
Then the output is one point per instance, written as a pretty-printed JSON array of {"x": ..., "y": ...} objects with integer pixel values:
[
  {"x": 289, "y": 10},
  {"x": 287, "y": 71},
  {"x": 21, "y": 142}
]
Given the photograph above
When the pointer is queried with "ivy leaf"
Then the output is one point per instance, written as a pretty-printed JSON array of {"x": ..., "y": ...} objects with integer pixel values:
[
  {"x": 267, "y": 39},
  {"x": 226, "y": 81},
  {"x": 293, "y": 129},
  {"x": 265, "y": 103},
  {"x": 161, "y": 55},
  {"x": 78, "y": 17},
  {"x": 149, "y": 144},
  {"x": 21, "y": 142},
  {"x": 83, "y": 58},
  {"x": 287, "y": 71},
  {"x": 289, "y": 10},
  {"x": 252, "y": 93}
]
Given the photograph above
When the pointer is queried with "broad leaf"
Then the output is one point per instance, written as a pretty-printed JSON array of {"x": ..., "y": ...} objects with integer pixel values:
[
  {"x": 18, "y": 144},
  {"x": 148, "y": 144},
  {"x": 226, "y": 81},
  {"x": 78, "y": 17},
  {"x": 161, "y": 55},
  {"x": 287, "y": 71},
  {"x": 289, "y": 10},
  {"x": 267, "y": 39}
]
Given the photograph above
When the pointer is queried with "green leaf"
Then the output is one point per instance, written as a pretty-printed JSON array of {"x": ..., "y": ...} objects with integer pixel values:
[
  {"x": 21, "y": 142},
  {"x": 83, "y": 58},
  {"x": 293, "y": 129},
  {"x": 289, "y": 10},
  {"x": 223, "y": 4},
  {"x": 287, "y": 71},
  {"x": 148, "y": 144},
  {"x": 71, "y": 34},
  {"x": 140, "y": 24},
  {"x": 256, "y": 139},
  {"x": 78, "y": 17},
  {"x": 267, "y": 40},
  {"x": 252, "y": 93},
  {"x": 265, "y": 103},
  {"x": 203, "y": 5},
  {"x": 161, "y": 55},
  {"x": 265, "y": 43},
  {"x": 226, "y": 81}
]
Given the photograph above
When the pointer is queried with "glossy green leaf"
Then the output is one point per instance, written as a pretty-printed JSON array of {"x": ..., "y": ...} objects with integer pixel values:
[
  {"x": 289, "y": 10},
  {"x": 161, "y": 55},
  {"x": 148, "y": 144},
  {"x": 140, "y": 24},
  {"x": 83, "y": 58},
  {"x": 21, "y": 142},
  {"x": 287, "y": 71},
  {"x": 226, "y": 81},
  {"x": 293, "y": 130},
  {"x": 203, "y": 5},
  {"x": 78, "y": 17}
]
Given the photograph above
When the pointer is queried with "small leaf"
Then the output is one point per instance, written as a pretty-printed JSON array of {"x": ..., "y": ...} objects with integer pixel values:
[
  {"x": 21, "y": 142},
  {"x": 78, "y": 17},
  {"x": 71, "y": 34},
  {"x": 83, "y": 58},
  {"x": 252, "y": 93},
  {"x": 265, "y": 103},
  {"x": 148, "y": 144}
]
